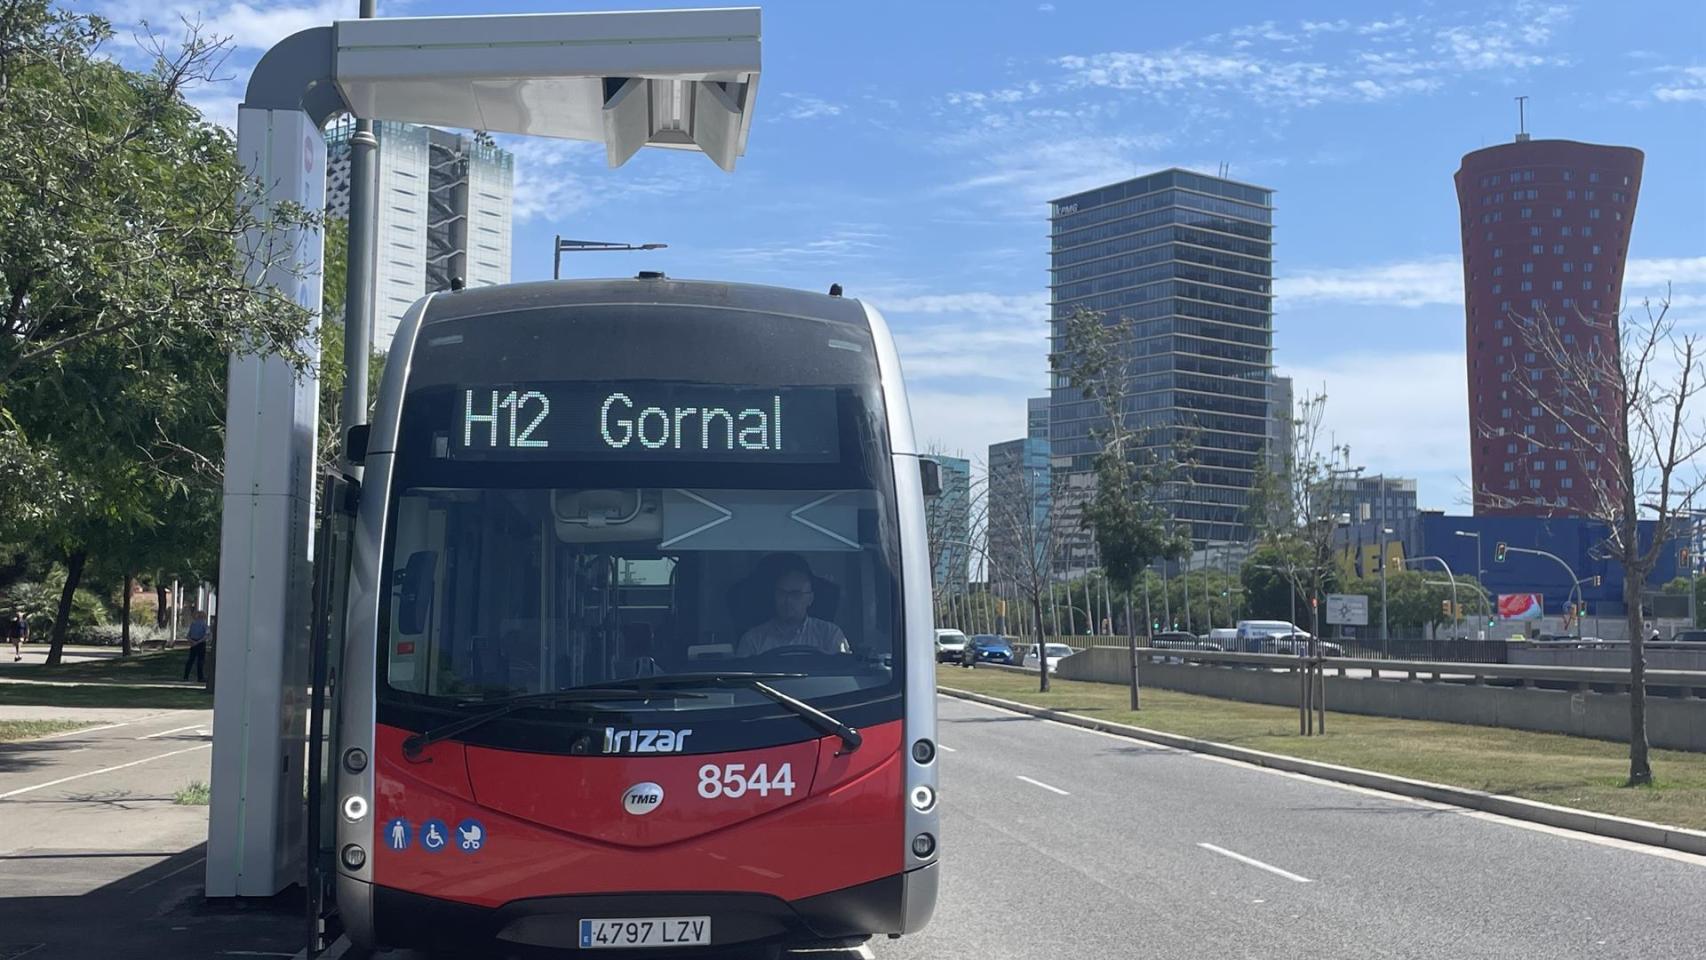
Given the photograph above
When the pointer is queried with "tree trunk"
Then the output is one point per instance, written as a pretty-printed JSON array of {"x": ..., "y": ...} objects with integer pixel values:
[
  {"x": 162, "y": 600},
  {"x": 1640, "y": 773},
  {"x": 1042, "y": 648},
  {"x": 73, "y": 576},
  {"x": 124, "y": 626}
]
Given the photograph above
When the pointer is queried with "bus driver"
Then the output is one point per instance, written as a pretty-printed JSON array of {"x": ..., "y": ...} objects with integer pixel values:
[{"x": 792, "y": 626}]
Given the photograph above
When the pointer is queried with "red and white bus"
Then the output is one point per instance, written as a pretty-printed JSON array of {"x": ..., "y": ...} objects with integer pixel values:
[{"x": 638, "y": 648}]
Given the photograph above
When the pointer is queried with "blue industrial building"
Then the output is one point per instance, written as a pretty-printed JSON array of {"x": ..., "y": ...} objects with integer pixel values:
[{"x": 1573, "y": 539}]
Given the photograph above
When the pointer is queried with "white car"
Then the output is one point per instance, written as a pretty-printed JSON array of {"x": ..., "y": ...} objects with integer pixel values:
[
  {"x": 950, "y": 646},
  {"x": 1056, "y": 653}
]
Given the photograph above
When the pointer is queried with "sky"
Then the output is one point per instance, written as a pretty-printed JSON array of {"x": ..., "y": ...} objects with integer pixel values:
[{"x": 908, "y": 150}]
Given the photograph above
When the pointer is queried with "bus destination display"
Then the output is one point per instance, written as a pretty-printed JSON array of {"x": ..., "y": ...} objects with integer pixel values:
[{"x": 646, "y": 421}]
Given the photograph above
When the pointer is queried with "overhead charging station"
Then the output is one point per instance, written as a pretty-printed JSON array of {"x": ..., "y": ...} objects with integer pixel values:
[{"x": 676, "y": 79}]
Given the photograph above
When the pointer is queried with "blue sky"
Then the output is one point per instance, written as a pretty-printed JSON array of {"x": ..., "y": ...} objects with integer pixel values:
[{"x": 906, "y": 151}]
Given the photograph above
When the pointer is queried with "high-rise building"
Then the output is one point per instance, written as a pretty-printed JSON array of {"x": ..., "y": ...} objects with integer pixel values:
[
  {"x": 1360, "y": 498},
  {"x": 947, "y": 518},
  {"x": 1545, "y": 232},
  {"x": 444, "y": 213},
  {"x": 1189, "y": 259},
  {"x": 1017, "y": 506},
  {"x": 1281, "y": 417},
  {"x": 1036, "y": 418}
]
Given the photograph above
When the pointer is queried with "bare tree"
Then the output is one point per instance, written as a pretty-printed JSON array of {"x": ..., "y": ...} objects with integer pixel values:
[
  {"x": 1623, "y": 401},
  {"x": 1293, "y": 510},
  {"x": 1131, "y": 527},
  {"x": 1026, "y": 537}
]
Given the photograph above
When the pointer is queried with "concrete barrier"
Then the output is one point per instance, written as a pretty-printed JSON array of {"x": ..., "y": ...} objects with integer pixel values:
[{"x": 1673, "y": 723}]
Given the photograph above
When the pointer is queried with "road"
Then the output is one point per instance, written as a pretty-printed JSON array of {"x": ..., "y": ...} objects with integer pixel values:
[
  {"x": 1062, "y": 843},
  {"x": 97, "y": 861}
]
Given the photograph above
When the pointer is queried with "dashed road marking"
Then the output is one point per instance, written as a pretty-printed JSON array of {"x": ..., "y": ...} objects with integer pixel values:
[
  {"x": 1252, "y": 861},
  {"x": 1039, "y": 783},
  {"x": 95, "y": 773}
]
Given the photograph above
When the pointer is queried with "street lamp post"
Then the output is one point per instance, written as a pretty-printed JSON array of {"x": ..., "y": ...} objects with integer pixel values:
[
  {"x": 1455, "y": 610},
  {"x": 561, "y": 246},
  {"x": 1575, "y": 581}
]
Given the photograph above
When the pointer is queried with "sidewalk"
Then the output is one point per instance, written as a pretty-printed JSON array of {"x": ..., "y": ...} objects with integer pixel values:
[{"x": 97, "y": 860}]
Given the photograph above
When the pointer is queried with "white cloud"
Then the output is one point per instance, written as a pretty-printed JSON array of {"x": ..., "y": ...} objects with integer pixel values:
[
  {"x": 1416, "y": 424},
  {"x": 802, "y": 107},
  {"x": 557, "y": 177},
  {"x": 248, "y": 27},
  {"x": 842, "y": 243},
  {"x": 1657, "y": 271},
  {"x": 1021, "y": 176},
  {"x": 1045, "y": 8},
  {"x": 1414, "y": 283},
  {"x": 1438, "y": 280},
  {"x": 1684, "y": 85}
]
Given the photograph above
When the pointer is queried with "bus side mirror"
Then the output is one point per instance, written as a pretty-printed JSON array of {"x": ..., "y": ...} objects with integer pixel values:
[
  {"x": 414, "y": 600},
  {"x": 930, "y": 473},
  {"x": 355, "y": 442}
]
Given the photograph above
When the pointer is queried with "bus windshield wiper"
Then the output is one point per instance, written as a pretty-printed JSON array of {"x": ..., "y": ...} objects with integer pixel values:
[
  {"x": 850, "y": 737},
  {"x": 504, "y": 706}
]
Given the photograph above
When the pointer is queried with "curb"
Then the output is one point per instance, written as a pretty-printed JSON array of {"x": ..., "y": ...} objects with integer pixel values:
[{"x": 1567, "y": 818}]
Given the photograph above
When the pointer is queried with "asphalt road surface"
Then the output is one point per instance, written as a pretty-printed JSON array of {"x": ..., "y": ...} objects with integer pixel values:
[
  {"x": 1060, "y": 843},
  {"x": 97, "y": 861}
]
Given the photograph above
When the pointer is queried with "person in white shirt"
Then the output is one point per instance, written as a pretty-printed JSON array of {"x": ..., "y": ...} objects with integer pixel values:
[{"x": 792, "y": 626}]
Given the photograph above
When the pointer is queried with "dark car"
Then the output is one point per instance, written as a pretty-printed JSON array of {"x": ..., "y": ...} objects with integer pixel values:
[
  {"x": 1180, "y": 640},
  {"x": 990, "y": 648},
  {"x": 1689, "y": 636}
]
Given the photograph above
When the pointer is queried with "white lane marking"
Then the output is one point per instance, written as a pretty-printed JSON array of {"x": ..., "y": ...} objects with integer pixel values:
[
  {"x": 1487, "y": 816},
  {"x": 104, "y": 726},
  {"x": 945, "y": 748},
  {"x": 864, "y": 951},
  {"x": 1039, "y": 783},
  {"x": 1252, "y": 861},
  {"x": 174, "y": 873},
  {"x": 96, "y": 773},
  {"x": 150, "y": 736}
]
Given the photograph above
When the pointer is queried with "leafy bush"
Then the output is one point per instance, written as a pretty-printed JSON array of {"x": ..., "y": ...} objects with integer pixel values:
[{"x": 40, "y": 602}]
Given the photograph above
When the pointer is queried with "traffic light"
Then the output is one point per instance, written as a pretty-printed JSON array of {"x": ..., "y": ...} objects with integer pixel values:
[
  {"x": 1445, "y": 608},
  {"x": 1499, "y": 553},
  {"x": 1594, "y": 580}
]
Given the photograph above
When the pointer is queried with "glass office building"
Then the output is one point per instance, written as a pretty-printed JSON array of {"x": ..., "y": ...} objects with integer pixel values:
[{"x": 1189, "y": 259}]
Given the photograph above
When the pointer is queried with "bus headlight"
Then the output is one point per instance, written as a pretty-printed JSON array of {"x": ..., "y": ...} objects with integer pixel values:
[
  {"x": 355, "y": 807},
  {"x": 354, "y": 857},
  {"x": 923, "y": 845},
  {"x": 923, "y": 751},
  {"x": 923, "y": 798}
]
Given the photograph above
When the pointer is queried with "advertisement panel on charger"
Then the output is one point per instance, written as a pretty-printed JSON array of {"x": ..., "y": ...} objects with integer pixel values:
[{"x": 1520, "y": 606}]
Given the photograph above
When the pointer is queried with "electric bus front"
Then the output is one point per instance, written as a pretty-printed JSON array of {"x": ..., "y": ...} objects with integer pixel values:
[{"x": 639, "y": 645}]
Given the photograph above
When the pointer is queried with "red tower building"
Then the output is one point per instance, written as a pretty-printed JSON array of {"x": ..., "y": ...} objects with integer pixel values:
[{"x": 1545, "y": 232}]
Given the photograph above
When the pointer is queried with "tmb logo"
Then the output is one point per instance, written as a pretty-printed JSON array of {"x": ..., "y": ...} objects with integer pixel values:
[
  {"x": 642, "y": 798},
  {"x": 644, "y": 741}
]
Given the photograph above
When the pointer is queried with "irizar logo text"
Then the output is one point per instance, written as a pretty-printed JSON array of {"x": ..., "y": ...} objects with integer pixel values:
[{"x": 645, "y": 741}]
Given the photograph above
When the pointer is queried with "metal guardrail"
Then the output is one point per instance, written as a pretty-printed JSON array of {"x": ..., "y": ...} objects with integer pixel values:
[{"x": 1582, "y": 678}]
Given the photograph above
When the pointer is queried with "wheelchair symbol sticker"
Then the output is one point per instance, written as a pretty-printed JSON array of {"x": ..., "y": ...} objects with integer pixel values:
[
  {"x": 434, "y": 836},
  {"x": 470, "y": 836},
  {"x": 397, "y": 834}
]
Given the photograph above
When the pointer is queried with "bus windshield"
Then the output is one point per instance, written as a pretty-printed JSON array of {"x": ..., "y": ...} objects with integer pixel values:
[{"x": 714, "y": 496}]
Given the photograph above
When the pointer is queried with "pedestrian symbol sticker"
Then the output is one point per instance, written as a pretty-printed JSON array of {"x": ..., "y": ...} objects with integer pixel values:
[
  {"x": 397, "y": 834},
  {"x": 470, "y": 836},
  {"x": 434, "y": 836}
]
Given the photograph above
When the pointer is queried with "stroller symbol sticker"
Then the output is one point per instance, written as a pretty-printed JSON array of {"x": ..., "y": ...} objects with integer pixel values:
[
  {"x": 470, "y": 836},
  {"x": 434, "y": 836}
]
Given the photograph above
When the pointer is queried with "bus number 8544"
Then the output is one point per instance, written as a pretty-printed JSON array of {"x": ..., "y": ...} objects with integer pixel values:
[{"x": 731, "y": 780}]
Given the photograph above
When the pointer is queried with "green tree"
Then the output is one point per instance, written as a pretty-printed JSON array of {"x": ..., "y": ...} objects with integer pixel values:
[
  {"x": 130, "y": 228},
  {"x": 1680, "y": 586},
  {"x": 1123, "y": 511}
]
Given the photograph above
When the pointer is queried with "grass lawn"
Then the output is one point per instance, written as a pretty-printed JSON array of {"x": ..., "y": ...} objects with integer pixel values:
[
  {"x": 11, "y": 730},
  {"x": 137, "y": 668},
  {"x": 105, "y": 695},
  {"x": 1551, "y": 768}
]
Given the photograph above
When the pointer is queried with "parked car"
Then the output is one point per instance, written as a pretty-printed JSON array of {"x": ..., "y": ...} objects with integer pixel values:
[
  {"x": 989, "y": 648},
  {"x": 950, "y": 646},
  {"x": 1251, "y": 633},
  {"x": 1689, "y": 636},
  {"x": 1056, "y": 653},
  {"x": 1180, "y": 640},
  {"x": 1297, "y": 645}
]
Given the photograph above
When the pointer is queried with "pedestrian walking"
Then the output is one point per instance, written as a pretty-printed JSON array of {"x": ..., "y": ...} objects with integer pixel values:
[
  {"x": 18, "y": 629},
  {"x": 198, "y": 646}
]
